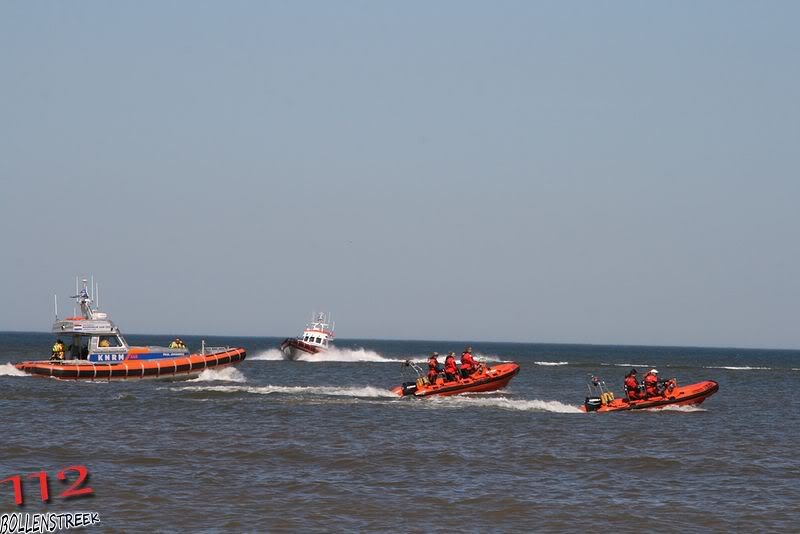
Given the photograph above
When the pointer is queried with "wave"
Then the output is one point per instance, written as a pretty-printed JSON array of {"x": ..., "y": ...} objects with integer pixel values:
[
  {"x": 227, "y": 374},
  {"x": 534, "y": 405},
  {"x": 551, "y": 363},
  {"x": 674, "y": 408},
  {"x": 9, "y": 370},
  {"x": 373, "y": 392},
  {"x": 335, "y": 354},
  {"x": 742, "y": 368},
  {"x": 359, "y": 392},
  {"x": 489, "y": 358},
  {"x": 270, "y": 355}
]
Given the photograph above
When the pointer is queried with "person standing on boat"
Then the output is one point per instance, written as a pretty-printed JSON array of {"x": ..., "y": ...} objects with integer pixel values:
[
  {"x": 58, "y": 350},
  {"x": 468, "y": 364},
  {"x": 651, "y": 384},
  {"x": 433, "y": 367},
  {"x": 450, "y": 368},
  {"x": 632, "y": 386}
]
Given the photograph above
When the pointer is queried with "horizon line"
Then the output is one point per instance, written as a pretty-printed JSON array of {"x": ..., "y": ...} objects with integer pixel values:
[{"x": 472, "y": 341}]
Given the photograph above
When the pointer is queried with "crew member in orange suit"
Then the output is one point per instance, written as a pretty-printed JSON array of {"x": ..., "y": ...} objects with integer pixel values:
[
  {"x": 632, "y": 386},
  {"x": 433, "y": 367},
  {"x": 468, "y": 363},
  {"x": 450, "y": 369},
  {"x": 651, "y": 384}
]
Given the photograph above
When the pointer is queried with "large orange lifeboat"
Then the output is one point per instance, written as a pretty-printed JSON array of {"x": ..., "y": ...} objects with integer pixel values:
[
  {"x": 671, "y": 395},
  {"x": 96, "y": 350},
  {"x": 178, "y": 367},
  {"x": 484, "y": 379}
]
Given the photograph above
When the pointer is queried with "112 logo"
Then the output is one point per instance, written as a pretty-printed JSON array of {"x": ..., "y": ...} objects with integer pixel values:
[{"x": 77, "y": 488}]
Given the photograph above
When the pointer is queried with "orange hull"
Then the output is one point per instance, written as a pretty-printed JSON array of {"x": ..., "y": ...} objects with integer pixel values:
[
  {"x": 182, "y": 367},
  {"x": 680, "y": 396},
  {"x": 486, "y": 379}
]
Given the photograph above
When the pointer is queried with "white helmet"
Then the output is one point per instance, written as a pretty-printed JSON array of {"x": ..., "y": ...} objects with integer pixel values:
[{"x": 654, "y": 371}]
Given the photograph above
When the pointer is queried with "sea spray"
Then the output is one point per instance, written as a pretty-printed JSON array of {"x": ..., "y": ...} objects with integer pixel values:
[
  {"x": 677, "y": 408},
  {"x": 227, "y": 374},
  {"x": 9, "y": 370},
  {"x": 343, "y": 354},
  {"x": 742, "y": 368},
  {"x": 351, "y": 391},
  {"x": 335, "y": 354},
  {"x": 533, "y": 405},
  {"x": 267, "y": 355}
]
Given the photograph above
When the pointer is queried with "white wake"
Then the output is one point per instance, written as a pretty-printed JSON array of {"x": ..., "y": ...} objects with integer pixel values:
[
  {"x": 227, "y": 374},
  {"x": 742, "y": 368},
  {"x": 534, "y": 405},
  {"x": 9, "y": 370},
  {"x": 335, "y": 354},
  {"x": 270, "y": 354},
  {"x": 674, "y": 408},
  {"x": 359, "y": 392},
  {"x": 551, "y": 363}
]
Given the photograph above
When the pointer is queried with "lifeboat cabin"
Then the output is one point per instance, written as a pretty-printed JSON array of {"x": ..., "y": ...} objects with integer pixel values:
[{"x": 98, "y": 340}]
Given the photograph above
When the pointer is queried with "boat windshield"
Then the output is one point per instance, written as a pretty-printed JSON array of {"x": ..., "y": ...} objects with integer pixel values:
[{"x": 109, "y": 341}]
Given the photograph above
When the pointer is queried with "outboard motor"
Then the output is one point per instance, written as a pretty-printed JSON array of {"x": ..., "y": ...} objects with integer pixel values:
[
  {"x": 409, "y": 388},
  {"x": 592, "y": 404}
]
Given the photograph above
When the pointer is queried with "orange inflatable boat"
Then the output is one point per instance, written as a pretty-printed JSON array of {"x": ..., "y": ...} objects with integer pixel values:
[
  {"x": 180, "y": 367},
  {"x": 672, "y": 395},
  {"x": 484, "y": 379}
]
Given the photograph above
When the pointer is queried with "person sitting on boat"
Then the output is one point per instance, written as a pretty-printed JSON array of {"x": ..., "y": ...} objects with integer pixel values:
[
  {"x": 176, "y": 343},
  {"x": 632, "y": 386},
  {"x": 651, "y": 388},
  {"x": 468, "y": 363},
  {"x": 104, "y": 343},
  {"x": 433, "y": 367},
  {"x": 450, "y": 368},
  {"x": 58, "y": 350}
]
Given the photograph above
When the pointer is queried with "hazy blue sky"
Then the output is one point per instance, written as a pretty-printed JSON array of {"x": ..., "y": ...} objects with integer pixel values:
[{"x": 590, "y": 172}]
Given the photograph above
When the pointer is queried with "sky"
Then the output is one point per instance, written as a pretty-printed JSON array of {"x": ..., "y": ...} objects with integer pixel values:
[{"x": 615, "y": 172}]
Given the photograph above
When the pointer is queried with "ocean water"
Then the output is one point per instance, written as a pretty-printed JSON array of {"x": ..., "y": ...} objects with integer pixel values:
[{"x": 320, "y": 446}]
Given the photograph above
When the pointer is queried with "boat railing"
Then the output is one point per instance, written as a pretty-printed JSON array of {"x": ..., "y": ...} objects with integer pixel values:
[
  {"x": 598, "y": 389},
  {"x": 204, "y": 349},
  {"x": 417, "y": 369}
]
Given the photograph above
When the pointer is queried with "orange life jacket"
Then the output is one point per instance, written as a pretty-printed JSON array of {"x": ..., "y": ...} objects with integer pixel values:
[
  {"x": 630, "y": 383},
  {"x": 651, "y": 384},
  {"x": 467, "y": 361}
]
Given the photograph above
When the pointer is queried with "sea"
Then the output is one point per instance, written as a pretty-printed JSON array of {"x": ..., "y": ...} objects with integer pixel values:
[{"x": 323, "y": 446}]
